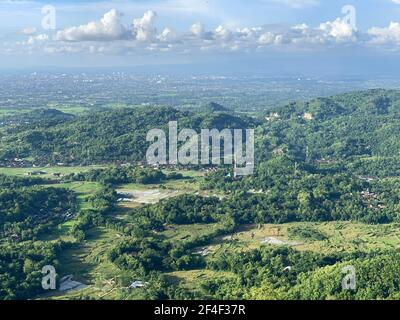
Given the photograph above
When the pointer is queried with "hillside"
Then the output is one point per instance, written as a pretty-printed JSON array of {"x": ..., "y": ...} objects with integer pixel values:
[
  {"x": 360, "y": 124},
  {"x": 40, "y": 118},
  {"x": 350, "y": 126},
  {"x": 105, "y": 136},
  {"x": 213, "y": 107}
]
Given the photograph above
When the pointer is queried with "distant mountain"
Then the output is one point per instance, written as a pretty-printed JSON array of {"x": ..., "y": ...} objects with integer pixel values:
[
  {"x": 213, "y": 107},
  {"x": 38, "y": 118},
  {"x": 40, "y": 114}
]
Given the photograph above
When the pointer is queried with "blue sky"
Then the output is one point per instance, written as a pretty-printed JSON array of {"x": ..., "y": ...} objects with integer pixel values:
[{"x": 151, "y": 32}]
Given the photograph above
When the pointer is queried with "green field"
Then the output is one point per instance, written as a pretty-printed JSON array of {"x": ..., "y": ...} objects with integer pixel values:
[
  {"x": 340, "y": 237},
  {"x": 49, "y": 170},
  {"x": 88, "y": 263}
]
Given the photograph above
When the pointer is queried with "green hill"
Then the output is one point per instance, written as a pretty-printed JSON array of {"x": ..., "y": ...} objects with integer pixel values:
[
  {"x": 106, "y": 136},
  {"x": 214, "y": 107},
  {"x": 362, "y": 124}
]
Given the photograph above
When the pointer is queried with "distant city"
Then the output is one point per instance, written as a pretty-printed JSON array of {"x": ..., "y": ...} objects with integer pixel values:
[{"x": 106, "y": 88}]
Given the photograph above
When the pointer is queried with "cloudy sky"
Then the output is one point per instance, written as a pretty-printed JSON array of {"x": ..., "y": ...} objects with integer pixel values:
[{"x": 292, "y": 34}]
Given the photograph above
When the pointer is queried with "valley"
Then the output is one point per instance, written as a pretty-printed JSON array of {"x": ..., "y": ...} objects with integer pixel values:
[{"x": 319, "y": 200}]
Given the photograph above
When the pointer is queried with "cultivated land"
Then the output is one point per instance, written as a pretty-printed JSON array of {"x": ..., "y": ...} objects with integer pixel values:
[
  {"x": 88, "y": 262},
  {"x": 339, "y": 237},
  {"x": 305, "y": 174},
  {"x": 48, "y": 171}
]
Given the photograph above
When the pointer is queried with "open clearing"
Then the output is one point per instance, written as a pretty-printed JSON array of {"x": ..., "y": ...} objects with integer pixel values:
[
  {"x": 149, "y": 196},
  {"x": 187, "y": 231},
  {"x": 340, "y": 237},
  {"x": 88, "y": 263},
  {"x": 49, "y": 170},
  {"x": 193, "y": 279}
]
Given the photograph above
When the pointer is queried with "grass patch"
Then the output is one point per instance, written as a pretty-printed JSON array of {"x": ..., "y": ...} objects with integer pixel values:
[
  {"x": 332, "y": 237},
  {"x": 187, "y": 232},
  {"x": 49, "y": 170},
  {"x": 192, "y": 280}
]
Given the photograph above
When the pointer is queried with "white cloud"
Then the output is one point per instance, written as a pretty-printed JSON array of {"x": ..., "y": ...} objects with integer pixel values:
[
  {"x": 223, "y": 33},
  {"x": 28, "y": 31},
  {"x": 143, "y": 28},
  {"x": 197, "y": 29},
  {"x": 110, "y": 28},
  {"x": 266, "y": 38},
  {"x": 39, "y": 38},
  {"x": 296, "y": 4},
  {"x": 106, "y": 29},
  {"x": 167, "y": 35},
  {"x": 386, "y": 35},
  {"x": 110, "y": 35},
  {"x": 338, "y": 29}
]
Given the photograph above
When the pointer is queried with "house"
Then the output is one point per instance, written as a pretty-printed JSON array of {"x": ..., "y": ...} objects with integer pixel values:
[
  {"x": 36, "y": 173},
  {"x": 272, "y": 116},
  {"x": 325, "y": 161},
  {"x": 203, "y": 251},
  {"x": 124, "y": 200},
  {"x": 138, "y": 284},
  {"x": 15, "y": 238},
  {"x": 367, "y": 178},
  {"x": 123, "y": 194},
  {"x": 368, "y": 195}
]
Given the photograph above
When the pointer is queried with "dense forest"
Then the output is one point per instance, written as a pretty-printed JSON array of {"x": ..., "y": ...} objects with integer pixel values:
[{"x": 26, "y": 213}]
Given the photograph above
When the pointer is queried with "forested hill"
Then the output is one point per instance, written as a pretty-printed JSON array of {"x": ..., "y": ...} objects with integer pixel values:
[
  {"x": 39, "y": 118},
  {"x": 359, "y": 124},
  {"x": 376, "y": 102},
  {"x": 118, "y": 134}
]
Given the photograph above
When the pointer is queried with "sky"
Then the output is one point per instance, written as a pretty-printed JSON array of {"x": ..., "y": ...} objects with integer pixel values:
[{"x": 272, "y": 36}]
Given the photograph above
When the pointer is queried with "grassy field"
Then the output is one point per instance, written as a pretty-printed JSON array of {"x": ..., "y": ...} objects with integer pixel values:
[
  {"x": 153, "y": 193},
  {"x": 89, "y": 264},
  {"x": 49, "y": 170},
  {"x": 338, "y": 237},
  {"x": 192, "y": 280},
  {"x": 5, "y": 112},
  {"x": 70, "y": 109},
  {"x": 187, "y": 232},
  {"x": 88, "y": 261}
]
